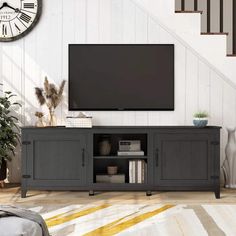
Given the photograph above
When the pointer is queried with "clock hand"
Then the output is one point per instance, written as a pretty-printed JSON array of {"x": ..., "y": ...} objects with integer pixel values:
[{"x": 5, "y": 4}]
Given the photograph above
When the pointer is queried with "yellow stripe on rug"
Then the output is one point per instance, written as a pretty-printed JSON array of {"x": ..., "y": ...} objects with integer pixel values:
[
  {"x": 63, "y": 218},
  {"x": 115, "y": 227}
]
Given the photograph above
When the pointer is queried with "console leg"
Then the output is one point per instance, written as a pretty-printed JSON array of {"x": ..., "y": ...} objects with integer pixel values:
[
  {"x": 2, "y": 183},
  {"x": 148, "y": 193},
  {"x": 23, "y": 193},
  {"x": 217, "y": 193},
  {"x": 91, "y": 193}
]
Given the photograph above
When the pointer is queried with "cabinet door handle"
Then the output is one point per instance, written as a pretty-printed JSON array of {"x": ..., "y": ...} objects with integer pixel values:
[
  {"x": 157, "y": 157},
  {"x": 83, "y": 157}
]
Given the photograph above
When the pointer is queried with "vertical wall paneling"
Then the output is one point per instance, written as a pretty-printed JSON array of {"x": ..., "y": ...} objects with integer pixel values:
[
  {"x": 32, "y": 77},
  {"x": 216, "y": 106},
  {"x": 191, "y": 86},
  {"x": 203, "y": 87},
  {"x": 129, "y": 37},
  {"x": 12, "y": 63},
  {"x": 93, "y": 13},
  {"x": 229, "y": 106},
  {"x": 129, "y": 21},
  {"x": 180, "y": 84},
  {"x": 216, "y": 99},
  {"x": 24, "y": 63},
  {"x": 49, "y": 46},
  {"x": 80, "y": 21},
  {"x": 141, "y": 26},
  {"x": 117, "y": 20},
  {"x": 167, "y": 117},
  {"x": 153, "y": 38},
  {"x": 105, "y": 21},
  {"x": 141, "y": 36},
  {"x": 68, "y": 37}
]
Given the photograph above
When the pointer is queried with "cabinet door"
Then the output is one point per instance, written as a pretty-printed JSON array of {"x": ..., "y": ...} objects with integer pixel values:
[
  {"x": 182, "y": 160},
  {"x": 57, "y": 160}
]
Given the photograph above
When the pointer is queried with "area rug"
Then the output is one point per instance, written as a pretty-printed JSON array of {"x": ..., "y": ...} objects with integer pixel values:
[{"x": 140, "y": 220}]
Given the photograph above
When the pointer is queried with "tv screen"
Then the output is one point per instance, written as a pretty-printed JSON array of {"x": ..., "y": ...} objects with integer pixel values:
[{"x": 121, "y": 77}]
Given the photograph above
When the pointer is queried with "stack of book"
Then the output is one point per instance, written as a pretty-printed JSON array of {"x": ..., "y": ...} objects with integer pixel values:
[
  {"x": 137, "y": 171},
  {"x": 130, "y": 153},
  {"x": 115, "y": 179}
]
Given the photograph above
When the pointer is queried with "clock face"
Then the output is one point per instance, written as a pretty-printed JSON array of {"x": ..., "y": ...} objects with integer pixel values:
[{"x": 18, "y": 17}]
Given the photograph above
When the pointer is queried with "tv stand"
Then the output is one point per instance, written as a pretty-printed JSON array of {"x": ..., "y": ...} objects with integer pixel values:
[{"x": 174, "y": 158}]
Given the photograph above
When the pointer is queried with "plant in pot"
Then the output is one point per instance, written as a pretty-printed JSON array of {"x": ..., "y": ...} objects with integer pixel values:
[
  {"x": 9, "y": 132},
  {"x": 200, "y": 119}
]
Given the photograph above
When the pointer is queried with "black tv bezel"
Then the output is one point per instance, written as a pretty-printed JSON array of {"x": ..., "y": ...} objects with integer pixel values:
[{"x": 118, "y": 108}]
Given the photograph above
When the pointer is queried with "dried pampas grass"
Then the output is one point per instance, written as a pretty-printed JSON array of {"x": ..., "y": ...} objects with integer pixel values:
[
  {"x": 40, "y": 96},
  {"x": 51, "y": 95}
]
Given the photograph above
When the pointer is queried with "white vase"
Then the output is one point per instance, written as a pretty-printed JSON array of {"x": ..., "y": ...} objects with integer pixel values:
[{"x": 229, "y": 165}]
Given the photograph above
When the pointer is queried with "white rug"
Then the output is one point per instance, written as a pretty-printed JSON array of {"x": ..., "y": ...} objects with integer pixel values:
[{"x": 140, "y": 220}]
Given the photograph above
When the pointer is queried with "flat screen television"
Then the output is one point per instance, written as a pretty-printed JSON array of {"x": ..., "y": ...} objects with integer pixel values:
[{"x": 121, "y": 77}]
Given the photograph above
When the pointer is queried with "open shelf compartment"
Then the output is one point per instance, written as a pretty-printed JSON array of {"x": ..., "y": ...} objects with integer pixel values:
[
  {"x": 124, "y": 172},
  {"x": 114, "y": 141}
]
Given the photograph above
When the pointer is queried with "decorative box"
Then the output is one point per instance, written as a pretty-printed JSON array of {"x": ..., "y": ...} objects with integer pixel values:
[{"x": 79, "y": 122}]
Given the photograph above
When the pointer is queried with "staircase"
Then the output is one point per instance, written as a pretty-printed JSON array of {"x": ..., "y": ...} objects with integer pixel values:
[
  {"x": 218, "y": 17},
  {"x": 213, "y": 42}
]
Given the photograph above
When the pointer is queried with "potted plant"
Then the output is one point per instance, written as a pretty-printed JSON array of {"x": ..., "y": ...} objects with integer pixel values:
[
  {"x": 9, "y": 132},
  {"x": 200, "y": 119}
]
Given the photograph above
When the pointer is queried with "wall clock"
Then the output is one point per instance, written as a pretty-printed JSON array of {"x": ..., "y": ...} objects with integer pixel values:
[{"x": 18, "y": 17}]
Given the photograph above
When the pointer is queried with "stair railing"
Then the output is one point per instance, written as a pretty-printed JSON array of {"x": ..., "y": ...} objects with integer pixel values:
[{"x": 221, "y": 16}]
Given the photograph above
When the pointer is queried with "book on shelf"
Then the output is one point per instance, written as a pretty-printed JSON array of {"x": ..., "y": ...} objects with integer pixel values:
[
  {"x": 137, "y": 171},
  {"x": 130, "y": 153},
  {"x": 115, "y": 179}
]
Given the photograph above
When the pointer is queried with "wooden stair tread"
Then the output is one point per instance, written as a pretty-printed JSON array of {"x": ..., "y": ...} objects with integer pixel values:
[
  {"x": 214, "y": 33},
  {"x": 188, "y": 12}
]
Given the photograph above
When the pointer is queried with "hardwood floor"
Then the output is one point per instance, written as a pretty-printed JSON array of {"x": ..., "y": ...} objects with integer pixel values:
[
  {"x": 129, "y": 213},
  {"x": 11, "y": 195}
]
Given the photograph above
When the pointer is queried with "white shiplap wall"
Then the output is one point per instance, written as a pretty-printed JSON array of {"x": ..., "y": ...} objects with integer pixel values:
[{"x": 24, "y": 63}]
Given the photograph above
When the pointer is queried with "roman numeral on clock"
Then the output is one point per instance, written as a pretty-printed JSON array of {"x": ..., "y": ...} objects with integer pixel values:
[
  {"x": 29, "y": 5},
  {"x": 4, "y": 30},
  {"x": 17, "y": 27},
  {"x": 25, "y": 17}
]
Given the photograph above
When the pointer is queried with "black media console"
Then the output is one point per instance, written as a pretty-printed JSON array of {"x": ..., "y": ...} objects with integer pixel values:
[{"x": 177, "y": 158}]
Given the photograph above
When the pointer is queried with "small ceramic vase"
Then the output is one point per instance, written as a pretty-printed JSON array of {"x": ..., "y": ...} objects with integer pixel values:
[
  {"x": 105, "y": 147},
  {"x": 40, "y": 122}
]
